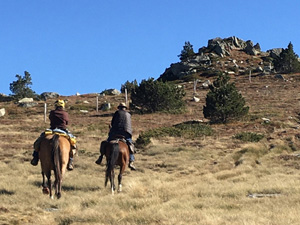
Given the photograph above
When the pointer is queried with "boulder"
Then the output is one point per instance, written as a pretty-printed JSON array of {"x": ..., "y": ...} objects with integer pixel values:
[
  {"x": 206, "y": 84},
  {"x": 25, "y": 100},
  {"x": 275, "y": 52},
  {"x": 49, "y": 95},
  {"x": 27, "y": 104},
  {"x": 111, "y": 92},
  {"x": 250, "y": 49},
  {"x": 2, "y": 112},
  {"x": 105, "y": 106},
  {"x": 219, "y": 46},
  {"x": 195, "y": 99},
  {"x": 203, "y": 59}
]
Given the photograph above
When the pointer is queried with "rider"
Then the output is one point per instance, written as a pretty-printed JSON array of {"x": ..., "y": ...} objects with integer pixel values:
[
  {"x": 120, "y": 125},
  {"x": 59, "y": 119}
]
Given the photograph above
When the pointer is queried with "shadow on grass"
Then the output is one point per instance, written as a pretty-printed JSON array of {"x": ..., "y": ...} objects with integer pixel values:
[
  {"x": 70, "y": 187},
  {"x": 103, "y": 115},
  {"x": 76, "y": 188},
  {"x": 6, "y": 192}
]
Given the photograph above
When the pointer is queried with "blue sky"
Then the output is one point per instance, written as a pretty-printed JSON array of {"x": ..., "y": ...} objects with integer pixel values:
[{"x": 87, "y": 46}]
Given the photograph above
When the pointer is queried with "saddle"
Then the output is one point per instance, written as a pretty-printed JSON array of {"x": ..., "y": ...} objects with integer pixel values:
[
  {"x": 118, "y": 138},
  {"x": 71, "y": 138}
]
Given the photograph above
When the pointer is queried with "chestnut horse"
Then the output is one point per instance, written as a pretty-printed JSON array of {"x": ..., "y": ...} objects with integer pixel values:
[
  {"x": 54, "y": 155},
  {"x": 117, "y": 153}
]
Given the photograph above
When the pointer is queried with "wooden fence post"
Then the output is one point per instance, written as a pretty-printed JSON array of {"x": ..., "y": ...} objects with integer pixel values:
[
  {"x": 45, "y": 112},
  {"x": 126, "y": 98},
  {"x": 97, "y": 103}
]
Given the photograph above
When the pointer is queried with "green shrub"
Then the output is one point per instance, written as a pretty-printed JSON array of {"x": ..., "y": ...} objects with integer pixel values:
[
  {"x": 249, "y": 136},
  {"x": 224, "y": 102},
  {"x": 153, "y": 95},
  {"x": 189, "y": 130},
  {"x": 143, "y": 140},
  {"x": 193, "y": 129}
]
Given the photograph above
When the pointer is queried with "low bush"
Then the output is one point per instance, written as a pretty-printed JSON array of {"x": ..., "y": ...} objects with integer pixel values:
[
  {"x": 189, "y": 130},
  {"x": 249, "y": 137}
]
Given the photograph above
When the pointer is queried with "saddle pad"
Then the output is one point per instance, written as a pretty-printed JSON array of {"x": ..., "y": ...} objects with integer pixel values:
[{"x": 61, "y": 133}]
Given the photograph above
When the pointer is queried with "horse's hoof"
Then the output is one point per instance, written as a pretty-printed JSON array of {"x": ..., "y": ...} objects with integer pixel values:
[
  {"x": 58, "y": 195},
  {"x": 120, "y": 188},
  {"x": 46, "y": 190}
]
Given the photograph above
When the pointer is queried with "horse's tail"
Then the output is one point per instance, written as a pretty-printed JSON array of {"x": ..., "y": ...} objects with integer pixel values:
[
  {"x": 56, "y": 156},
  {"x": 114, "y": 154}
]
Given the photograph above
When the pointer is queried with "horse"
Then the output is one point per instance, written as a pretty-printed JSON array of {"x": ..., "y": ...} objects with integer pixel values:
[
  {"x": 54, "y": 155},
  {"x": 117, "y": 153}
]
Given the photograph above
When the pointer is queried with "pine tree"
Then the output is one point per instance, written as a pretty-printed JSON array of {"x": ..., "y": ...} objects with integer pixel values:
[
  {"x": 129, "y": 86},
  {"x": 288, "y": 61},
  {"x": 187, "y": 51},
  {"x": 21, "y": 87},
  {"x": 223, "y": 101}
]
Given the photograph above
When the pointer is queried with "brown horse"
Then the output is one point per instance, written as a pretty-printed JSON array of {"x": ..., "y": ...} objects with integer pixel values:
[
  {"x": 54, "y": 155},
  {"x": 117, "y": 153}
]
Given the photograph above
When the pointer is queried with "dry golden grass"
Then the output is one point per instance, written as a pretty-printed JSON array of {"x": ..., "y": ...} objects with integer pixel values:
[{"x": 209, "y": 180}]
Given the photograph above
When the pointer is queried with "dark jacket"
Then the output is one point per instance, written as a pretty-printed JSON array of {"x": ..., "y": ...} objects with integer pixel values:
[
  {"x": 121, "y": 124},
  {"x": 59, "y": 119}
]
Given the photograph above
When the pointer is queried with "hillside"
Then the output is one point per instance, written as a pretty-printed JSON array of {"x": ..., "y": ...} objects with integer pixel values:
[{"x": 207, "y": 180}]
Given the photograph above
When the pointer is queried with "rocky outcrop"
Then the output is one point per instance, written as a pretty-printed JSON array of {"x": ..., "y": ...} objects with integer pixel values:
[
  {"x": 222, "y": 47},
  {"x": 49, "y": 95},
  {"x": 275, "y": 52},
  {"x": 229, "y": 55},
  {"x": 110, "y": 92},
  {"x": 251, "y": 49}
]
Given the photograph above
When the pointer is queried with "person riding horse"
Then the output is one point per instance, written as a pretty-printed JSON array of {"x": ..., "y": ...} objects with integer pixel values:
[
  {"x": 120, "y": 126},
  {"x": 59, "y": 119}
]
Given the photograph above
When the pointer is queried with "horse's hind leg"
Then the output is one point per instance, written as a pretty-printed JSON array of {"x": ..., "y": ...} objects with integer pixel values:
[
  {"x": 112, "y": 182},
  {"x": 58, "y": 194},
  {"x": 44, "y": 185},
  {"x": 120, "y": 180},
  {"x": 48, "y": 175}
]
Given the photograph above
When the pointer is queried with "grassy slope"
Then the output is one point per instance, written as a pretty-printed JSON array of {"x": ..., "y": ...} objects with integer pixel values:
[{"x": 206, "y": 180}]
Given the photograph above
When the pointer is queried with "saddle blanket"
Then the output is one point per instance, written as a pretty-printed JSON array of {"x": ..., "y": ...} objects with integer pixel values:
[{"x": 60, "y": 132}]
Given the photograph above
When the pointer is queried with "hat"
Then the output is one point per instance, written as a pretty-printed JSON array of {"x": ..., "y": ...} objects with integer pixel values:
[
  {"x": 122, "y": 105},
  {"x": 60, "y": 103}
]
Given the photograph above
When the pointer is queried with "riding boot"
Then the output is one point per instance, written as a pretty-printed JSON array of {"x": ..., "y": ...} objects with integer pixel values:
[
  {"x": 131, "y": 160},
  {"x": 102, "y": 152},
  {"x": 35, "y": 159},
  {"x": 70, "y": 164},
  {"x": 131, "y": 166},
  {"x": 99, "y": 160}
]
